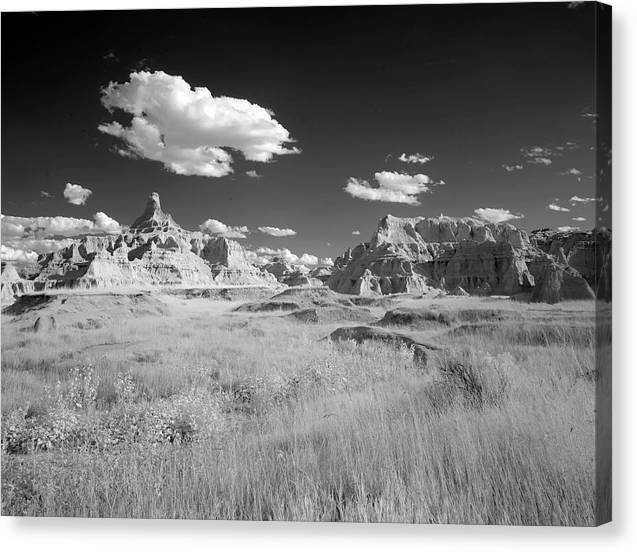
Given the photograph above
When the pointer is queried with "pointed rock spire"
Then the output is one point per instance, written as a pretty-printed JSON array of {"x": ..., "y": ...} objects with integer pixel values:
[{"x": 153, "y": 216}]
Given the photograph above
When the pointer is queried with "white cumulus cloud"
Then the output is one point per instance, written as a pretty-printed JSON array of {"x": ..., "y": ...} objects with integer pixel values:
[
  {"x": 492, "y": 214},
  {"x": 308, "y": 259},
  {"x": 511, "y": 168},
  {"x": 393, "y": 187},
  {"x": 57, "y": 226},
  {"x": 356, "y": 232},
  {"x": 187, "y": 129},
  {"x": 19, "y": 256},
  {"x": 578, "y": 219},
  {"x": 583, "y": 200},
  {"x": 75, "y": 194},
  {"x": 415, "y": 158},
  {"x": 573, "y": 172},
  {"x": 567, "y": 228},
  {"x": 285, "y": 254},
  {"x": 556, "y": 207},
  {"x": 216, "y": 227},
  {"x": 253, "y": 174},
  {"x": 277, "y": 232}
]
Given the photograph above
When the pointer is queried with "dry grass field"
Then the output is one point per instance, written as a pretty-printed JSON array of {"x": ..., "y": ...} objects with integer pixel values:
[{"x": 170, "y": 406}]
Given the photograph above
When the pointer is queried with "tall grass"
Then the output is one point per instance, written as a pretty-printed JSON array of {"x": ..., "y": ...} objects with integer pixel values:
[{"x": 496, "y": 429}]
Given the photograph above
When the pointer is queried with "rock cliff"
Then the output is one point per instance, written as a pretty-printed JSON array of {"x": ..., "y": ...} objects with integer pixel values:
[
  {"x": 154, "y": 251},
  {"x": 414, "y": 255}
]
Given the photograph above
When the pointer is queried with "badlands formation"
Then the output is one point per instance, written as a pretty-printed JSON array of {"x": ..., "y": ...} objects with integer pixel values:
[
  {"x": 405, "y": 255},
  {"x": 154, "y": 251},
  {"x": 466, "y": 255}
]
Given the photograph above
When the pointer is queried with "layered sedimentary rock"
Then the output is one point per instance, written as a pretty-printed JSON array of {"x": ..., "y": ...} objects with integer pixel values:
[
  {"x": 12, "y": 284},
  {"x": 414, "y": 255},
  {"x": 589, "y": 253},
  {"x": 154, "y": 251},
  {"x": 290, "y": 275}
]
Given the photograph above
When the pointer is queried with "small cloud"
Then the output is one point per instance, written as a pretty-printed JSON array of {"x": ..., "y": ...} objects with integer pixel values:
[
  {"x": 511, "y": 168},
  {"x": 110, "y": 56},
  {"x": 572, "y": 172},
  {"x": 46, "y": 194},
  {"x": 578, "y": 219},
  {"x": 567, "y": 146},
  {"x": 555, "y": 207},
  {"x": 326, "y": 261},
  {"x": 307, "y": 259},
  {"x": 537, "y": 155},
  {"x": 415, "y": 158},
  {"x": 568, "y": 228},
  {"x": 218, "y": 228},
  {"x": 540, "y": 161},
  {"x": 277, "y": 232},
  {"x": 253, "y": 174},
  {"x": 75, "y": 194},
  {"x": 393, "y": 187},
  {"x": 583, "y": 200},
  {"x": 356, "y": 232},
  {"x": 289, "y": 257},
  {"x": 495, "y": 215}
]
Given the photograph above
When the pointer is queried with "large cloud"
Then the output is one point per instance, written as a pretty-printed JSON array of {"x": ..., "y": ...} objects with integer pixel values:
[
  {"x": 491, "y": 214},
  {"x": 75, "y": 194},
  {"x": 277, "y": 232},
  {"x": 29, "y": 236},
  {"x": 57, "y": 226},
  {"x": 19, "y": 256},
  {"x": 393, "y": 187},
  {"x": 186, "y": 129},
  {"x": 213, "y": 226}
]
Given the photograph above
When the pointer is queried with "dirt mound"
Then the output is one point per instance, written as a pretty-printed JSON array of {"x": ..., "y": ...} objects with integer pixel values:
[
  {"x": 309, "y": 316},
  {"x": 247, "y": 293},
  {"x": 361, "y": 334},
  {"x": 309, "y": 297},
  {"x": 487, "y": 315},
  {"x": 333, "y": 314},
  {"x": 268, "y": 306},
  {"x": 413, "y": 317},
  {"x": 382, "y": 302},
  {"x": 27, "y": 303}
]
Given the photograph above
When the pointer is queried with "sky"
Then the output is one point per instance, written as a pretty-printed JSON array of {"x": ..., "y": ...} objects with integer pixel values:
[{"x": 299, "y": 128}]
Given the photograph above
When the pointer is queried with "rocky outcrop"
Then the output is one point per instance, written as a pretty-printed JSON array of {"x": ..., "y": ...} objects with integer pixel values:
[
  {"x": 12, "y": 285},
  {"x": 464, "y": 255},
  {"x": 154, "y": 251},
  {"x": 291, "y": 275},
  {"x": 589, "y": 253}
]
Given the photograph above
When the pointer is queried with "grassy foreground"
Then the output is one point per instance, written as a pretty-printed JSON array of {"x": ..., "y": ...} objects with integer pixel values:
[{"x": 211, "y": 414}]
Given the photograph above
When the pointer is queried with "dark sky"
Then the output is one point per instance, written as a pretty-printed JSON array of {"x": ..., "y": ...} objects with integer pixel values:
[{"x": 467, "y": 84}]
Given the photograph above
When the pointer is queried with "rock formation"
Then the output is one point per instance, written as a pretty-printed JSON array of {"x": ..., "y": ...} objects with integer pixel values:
[
  {"x": 589, "y": 253},
  {"x": 414, "y": 255},
  {"x": 154, "y": 251},
  {"x": 291, "y": 275}
]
